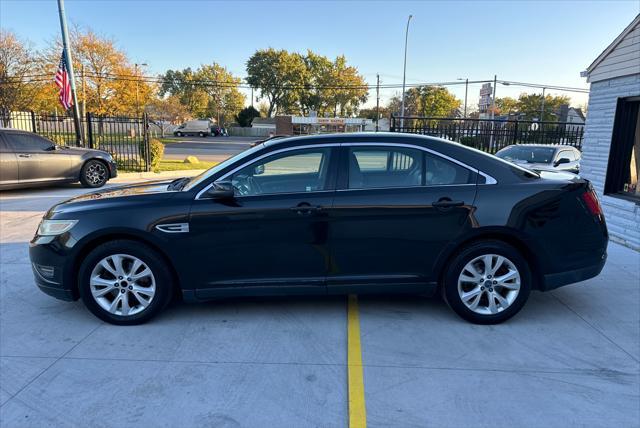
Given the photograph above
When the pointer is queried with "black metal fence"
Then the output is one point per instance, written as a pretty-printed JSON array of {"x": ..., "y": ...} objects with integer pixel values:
[
  {"x": 126, "y": 138},
  {"x": 491, "y": 135}
]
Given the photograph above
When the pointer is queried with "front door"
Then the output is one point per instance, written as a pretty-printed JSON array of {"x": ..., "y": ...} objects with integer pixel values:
[
  {"x": 272, "y": 237},
  {"x": 38, "y": 159},
  {"x": 8, "y": 164},
  {"x": 394, "y": 211}
]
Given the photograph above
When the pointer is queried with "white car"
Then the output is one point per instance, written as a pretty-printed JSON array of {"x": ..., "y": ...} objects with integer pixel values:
[{"x": 543, "y": 157}]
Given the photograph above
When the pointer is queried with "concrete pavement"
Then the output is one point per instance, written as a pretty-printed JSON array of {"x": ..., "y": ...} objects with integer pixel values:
[{"x": 570, "y": 358}]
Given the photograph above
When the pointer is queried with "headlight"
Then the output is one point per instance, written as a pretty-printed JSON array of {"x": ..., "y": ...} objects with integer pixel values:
[{"x": 55, "y": 227}]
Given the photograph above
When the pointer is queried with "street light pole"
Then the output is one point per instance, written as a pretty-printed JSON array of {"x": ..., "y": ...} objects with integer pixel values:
[
  {"x": 377, "y": 102},
  {"x": 404, "y": 70}
]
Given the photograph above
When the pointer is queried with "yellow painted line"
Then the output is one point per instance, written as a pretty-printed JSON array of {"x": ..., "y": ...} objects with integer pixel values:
[{"x": 357, "y": 408}]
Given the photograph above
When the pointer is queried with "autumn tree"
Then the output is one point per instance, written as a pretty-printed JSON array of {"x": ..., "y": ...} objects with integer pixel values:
[
  {"x": 506, "y": 105},
  {"x": 349, "y": 88},
  {"x": 16, "y": 62}
]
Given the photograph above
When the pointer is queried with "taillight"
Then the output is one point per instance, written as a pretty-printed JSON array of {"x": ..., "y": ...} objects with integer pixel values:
[{"x": 592, "y": 203}]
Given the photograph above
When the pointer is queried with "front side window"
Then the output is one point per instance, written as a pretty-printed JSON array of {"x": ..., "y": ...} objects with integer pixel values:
[
  {"x": 527, "y": 154},
  {"x": 378, "y": 167},
  {"x": 28, "y": 143},
  {"x": 290, "y": 172}
]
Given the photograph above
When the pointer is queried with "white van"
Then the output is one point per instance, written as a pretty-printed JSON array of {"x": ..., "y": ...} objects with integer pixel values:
[{"x": 194, "y": 127}]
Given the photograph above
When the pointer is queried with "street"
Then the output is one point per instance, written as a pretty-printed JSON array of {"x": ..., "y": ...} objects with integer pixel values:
[
  {"x": 208, "y": 149},
  {"x": 570, "y": 358}
]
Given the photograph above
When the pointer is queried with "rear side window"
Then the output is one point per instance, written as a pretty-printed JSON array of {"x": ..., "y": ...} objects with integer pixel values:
[
  {"x": 27, "y": 142},
  {"x": 440, "y": 172},
  {"x": 376, "y": 167}
]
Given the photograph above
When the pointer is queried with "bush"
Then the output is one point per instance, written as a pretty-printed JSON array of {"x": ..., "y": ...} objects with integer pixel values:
[
  {"x": 246, "y": 116},
  {"x": 156, "y": 150}
]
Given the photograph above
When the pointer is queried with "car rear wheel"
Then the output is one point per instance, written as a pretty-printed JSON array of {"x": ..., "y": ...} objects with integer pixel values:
[
  {"x": 201, "y": 134},
  {"x": 487, "y": 282},
  {"x": 94, "y": 174},
  {"x": 125, "y": 282},
  {"x": 178, "y": 134}
]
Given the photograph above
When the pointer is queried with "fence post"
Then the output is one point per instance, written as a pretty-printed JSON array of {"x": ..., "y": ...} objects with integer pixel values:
[
  {"x": 33, "y": 122},
  {"x": 147, "y": 149},
  {"x": 515, "y": 132},
  {"x": 89, "y": 132},
  {"x": 393, "y": 123}
]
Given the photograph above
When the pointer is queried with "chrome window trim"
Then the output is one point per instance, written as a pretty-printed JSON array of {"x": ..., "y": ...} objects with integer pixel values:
[
  {"x": 274, "y": 152},
  {"x": 488, "y": 179}
]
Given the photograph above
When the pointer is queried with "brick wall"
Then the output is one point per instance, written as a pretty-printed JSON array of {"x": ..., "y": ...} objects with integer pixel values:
[{"x": 623, "y": 217}]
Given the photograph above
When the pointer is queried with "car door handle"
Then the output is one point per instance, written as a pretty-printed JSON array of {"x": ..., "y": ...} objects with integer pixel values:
[
  {"x": 447, "y": 203},
  {"x": 24, "y": 155},
  {"x": 305, "y": 208}
]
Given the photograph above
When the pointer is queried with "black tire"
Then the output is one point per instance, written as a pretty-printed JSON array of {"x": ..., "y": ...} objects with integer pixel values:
[
  {"x": 154, "y": 261},
  {"x": 201, "y": 134},
  {"x": 94, "y": 173},
  {"x": 178, "y": 134},
  {"x": 468, "y": 254}
]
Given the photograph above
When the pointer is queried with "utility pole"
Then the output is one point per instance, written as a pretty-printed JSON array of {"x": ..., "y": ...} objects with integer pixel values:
[
  {"x": 252, "y": 96},
  {"x": 67, "y": 53},
  {"x": 466, "y": 90},
  {"x": 404, "y": 70},
  {"x": 377, "y": 101},
  {"x": 542, "y": 107}
]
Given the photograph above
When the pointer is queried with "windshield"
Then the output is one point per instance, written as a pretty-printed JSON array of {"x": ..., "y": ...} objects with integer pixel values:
[
  {"x": 527, "y": 154},
  {"x": 219, "y": 167}
]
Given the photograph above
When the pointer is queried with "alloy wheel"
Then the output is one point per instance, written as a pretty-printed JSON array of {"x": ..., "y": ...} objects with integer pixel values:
[
  {"x": 122, "y": 284},
  {"x": 489, "y": 284},
  {"x": 96, "y": 173}
]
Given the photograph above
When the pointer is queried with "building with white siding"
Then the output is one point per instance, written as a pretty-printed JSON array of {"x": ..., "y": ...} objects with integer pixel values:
[{"x": 611, "y": 148}]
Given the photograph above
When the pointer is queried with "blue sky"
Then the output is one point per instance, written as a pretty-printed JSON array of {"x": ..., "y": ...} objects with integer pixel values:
[{"x": 546, "y": 42}]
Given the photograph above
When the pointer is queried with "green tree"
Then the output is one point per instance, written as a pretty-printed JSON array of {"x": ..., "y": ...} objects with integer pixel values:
[
  {"x": 319, "y": 75},
  {"x": 16, "y": 62},
  {"x": 530, "y": 106},
  {"x": 279, "y": 76},
  {"x": 209, "y": 91},
  {"x": 507, "y": 105},
  {"x": 370, "y": 113},
  {"x": 427, "y": 101},
  {"x": 350, "y": 89},
  {"x": 246, "y": 116}
]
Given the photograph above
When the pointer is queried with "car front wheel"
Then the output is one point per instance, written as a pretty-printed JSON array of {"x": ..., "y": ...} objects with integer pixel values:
[
  {"x": 94, "y": 174},
  {"x": 124, "y": 282},
  {"x": 487, "y": 282}
]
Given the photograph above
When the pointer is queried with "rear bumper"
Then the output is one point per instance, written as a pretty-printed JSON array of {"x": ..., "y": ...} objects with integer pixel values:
[{"x": 555, "y": 280}]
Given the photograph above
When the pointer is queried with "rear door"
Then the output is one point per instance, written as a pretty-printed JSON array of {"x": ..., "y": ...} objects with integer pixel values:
[
  {"x": 394, "y": 211},
  {"x": 8, "y": 164},
  {"x": 38, "y": 160}
]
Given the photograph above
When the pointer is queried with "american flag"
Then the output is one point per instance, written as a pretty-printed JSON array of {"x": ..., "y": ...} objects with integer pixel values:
[{"x": 62, "y": 81}]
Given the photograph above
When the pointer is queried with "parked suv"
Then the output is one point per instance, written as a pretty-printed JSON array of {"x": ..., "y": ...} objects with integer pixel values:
[{"x": 27, "y": 159}]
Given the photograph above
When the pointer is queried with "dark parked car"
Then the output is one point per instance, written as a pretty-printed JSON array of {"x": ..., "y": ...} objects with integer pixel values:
[
  {"x": 330, "y": 214},
  {"x": 27, "y": 159},
  {"x": 543, "y": 157}
]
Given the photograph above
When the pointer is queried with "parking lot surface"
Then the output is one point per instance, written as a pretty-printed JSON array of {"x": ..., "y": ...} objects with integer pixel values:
[{"x": 570, "y": 358}]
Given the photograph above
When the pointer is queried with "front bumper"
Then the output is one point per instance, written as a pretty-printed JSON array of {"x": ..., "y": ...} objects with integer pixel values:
[
  {"x": 555, "y": 280},
  {"x": 113, "y": 170},
  {"x": 52, "y": 269}
]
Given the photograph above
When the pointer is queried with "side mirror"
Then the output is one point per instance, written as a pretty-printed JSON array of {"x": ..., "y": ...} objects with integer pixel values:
[
  {"x": 221, "y": 190},
  {"x": 562, "y": 161}
]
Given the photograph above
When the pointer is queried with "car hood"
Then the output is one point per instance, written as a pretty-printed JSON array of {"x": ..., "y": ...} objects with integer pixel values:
[
  {"x": 113, "y": 197},
  {"x": 81, "y": 151}
]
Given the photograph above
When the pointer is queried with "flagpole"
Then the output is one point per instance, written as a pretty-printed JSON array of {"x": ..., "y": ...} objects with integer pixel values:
[{"x": 67, "y": 53}]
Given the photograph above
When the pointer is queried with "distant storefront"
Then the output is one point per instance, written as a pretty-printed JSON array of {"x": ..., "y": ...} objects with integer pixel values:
[
  {"x": 305, "y": 125},
  {"x": 611, "y": 148}
]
